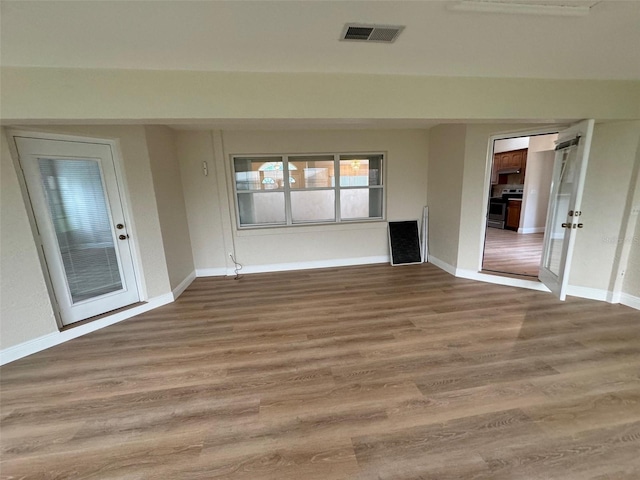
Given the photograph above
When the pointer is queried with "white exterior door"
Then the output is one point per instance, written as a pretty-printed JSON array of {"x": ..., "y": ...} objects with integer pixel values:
[
  {"x": 564, "y": 214},
  {"x": 79, "y": 216}
]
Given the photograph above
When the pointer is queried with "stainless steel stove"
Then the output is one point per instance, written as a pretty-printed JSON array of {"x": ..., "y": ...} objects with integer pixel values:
[{"x": 497, "y": 215}]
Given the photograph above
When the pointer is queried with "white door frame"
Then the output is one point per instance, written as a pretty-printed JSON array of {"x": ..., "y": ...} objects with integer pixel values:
[
  {"x": 123, "y": 188},
  {"x": 498, "y": 279},
  {"x": 558, "y": 284}
]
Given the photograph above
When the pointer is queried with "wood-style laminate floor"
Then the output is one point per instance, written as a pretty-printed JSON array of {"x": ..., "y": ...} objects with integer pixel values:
[
  {"x": 371, "y": 372},
  {"x": 507, "y": 251}
]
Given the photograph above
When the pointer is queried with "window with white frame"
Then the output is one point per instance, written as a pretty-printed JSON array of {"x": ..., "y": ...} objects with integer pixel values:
[{"x": 302, "y": 189}]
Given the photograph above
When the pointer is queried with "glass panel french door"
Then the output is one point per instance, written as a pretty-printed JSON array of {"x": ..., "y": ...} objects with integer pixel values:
[
  {"x": 563, "y": 214},
  {"x": 78, "y": 210},
  {"x": 77, "y": 207}
]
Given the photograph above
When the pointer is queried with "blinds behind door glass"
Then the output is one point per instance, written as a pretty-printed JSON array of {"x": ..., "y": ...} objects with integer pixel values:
[{"x": 77, "y": 205}]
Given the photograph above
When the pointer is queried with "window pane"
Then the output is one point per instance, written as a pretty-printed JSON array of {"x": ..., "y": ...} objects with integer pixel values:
[
  {"x": 258, "y": 208},
  {"x": 81, "y": 220},
  {"x": 553, "y": 255},
  {"x": 258, "y": 173},
  {"x": 360, "y": 203},
  {"x": 315, "y": 171},
  {"x": 360, "y": 170},
  {"x": 313, "y": 205}
]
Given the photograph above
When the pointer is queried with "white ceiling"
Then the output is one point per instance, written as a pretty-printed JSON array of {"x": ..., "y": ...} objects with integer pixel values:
[{"x": 302, "y": 36}]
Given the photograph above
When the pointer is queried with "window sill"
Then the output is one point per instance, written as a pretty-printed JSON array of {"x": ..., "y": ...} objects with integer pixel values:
[{"x": 376, "y": 224}]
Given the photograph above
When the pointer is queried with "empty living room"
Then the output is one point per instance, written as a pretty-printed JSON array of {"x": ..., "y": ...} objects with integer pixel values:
[{"x": 198, "y": 278}]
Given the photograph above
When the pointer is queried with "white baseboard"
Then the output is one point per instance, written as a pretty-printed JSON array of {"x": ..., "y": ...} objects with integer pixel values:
[
  {"x": 442, "y": 265},
  {"x": 339, "y": 262},
  {"x": 590, "y": 293},
  {"x": 499, "y": 280},
  {"x": 615, "y": 297},
  {"x": 531, "y": 230},
  {"x": 630, "y": 301},
  {"x": 182, "y": 286},
  {"x": 284, "y": 267},
  {"x": 56, "y": 338},
  {"x": 572, "y": 290},
  {"x": 213, "y": 272},
  {"x": 484, "y": 277}
]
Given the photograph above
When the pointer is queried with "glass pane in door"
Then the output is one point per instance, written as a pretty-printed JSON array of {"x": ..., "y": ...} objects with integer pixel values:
[
  {"x": 559, "y": 214},
  {"x": 78, "y": 208}
]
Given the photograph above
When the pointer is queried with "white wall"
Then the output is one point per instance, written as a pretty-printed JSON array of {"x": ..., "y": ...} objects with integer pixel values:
[
  {"x": 444, "y": 191},
  {"x": 541, "y": 143},
  {"x": 608, "y": 184},
  {"x": 629, "y": 273},
  {"x": 28, "y": 313},
  {"x": 25, "y": 307},
  {"x": 172, "y": 213},
  {"x": 102, "y": 94},
  {"x": 508, "y": 144},
  {"x": 139, "y": 183},
  {"x": 537, "y": 184},
  {"x": 405, "y": 190},
  {"x": 202, "y": 199}
]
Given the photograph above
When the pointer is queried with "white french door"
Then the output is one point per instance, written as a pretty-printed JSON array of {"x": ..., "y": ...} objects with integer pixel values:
[
  {"x": 564, "y": 213},
  {"x": 77, "y": 207}
]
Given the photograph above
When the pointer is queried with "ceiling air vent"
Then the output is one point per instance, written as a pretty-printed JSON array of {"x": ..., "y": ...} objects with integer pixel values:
[{"x": 370, "y": 33}]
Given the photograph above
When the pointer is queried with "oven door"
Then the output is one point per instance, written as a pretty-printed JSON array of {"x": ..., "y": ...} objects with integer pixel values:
[{"x": 497, "y": 213}]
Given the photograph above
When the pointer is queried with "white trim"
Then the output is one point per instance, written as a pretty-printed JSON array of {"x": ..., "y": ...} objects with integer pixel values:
[
  {"x": 284, "y": 267},
  {"x": 182, "y": 286},
  {"x": 214, "y": 272},
  {"x": 56, "y": 338},
  {"x": 339, "y": 262},
  {"x": 499, "y": 280},
  {"x": 225, "y": 200},
  {"x": 484, "y": 277},
  {"x": 424, "y": 240},
  {"x": 42, "y": 133},
  {"x": 531, "y": 230},
  {"x": 615, "y": 297},
  {"x": 443, "y": 265},
  {"x": 519, "y": 8},
  {"x": 630, "y": 301},
  {"x": 590, "y": 293}
]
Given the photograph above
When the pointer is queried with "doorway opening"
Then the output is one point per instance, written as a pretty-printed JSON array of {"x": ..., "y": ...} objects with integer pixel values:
[{"x": 518, "y": 201}]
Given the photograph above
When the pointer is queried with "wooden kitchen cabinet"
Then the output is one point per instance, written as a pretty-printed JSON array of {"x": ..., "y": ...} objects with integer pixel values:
[
  {"x": 514, "y": 208},
  {"x": 497, "y": 165},
  {"x": 512, "y": 159}
]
